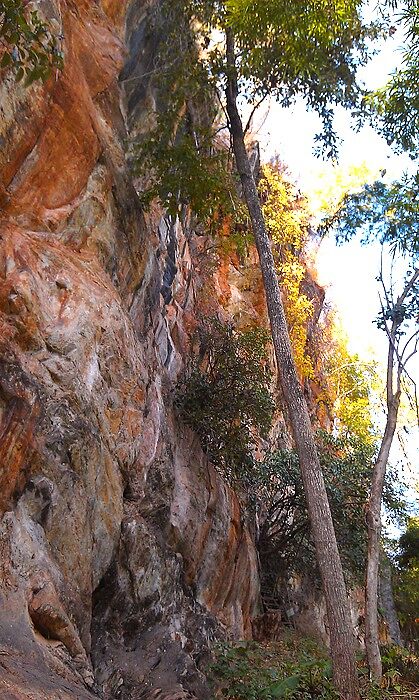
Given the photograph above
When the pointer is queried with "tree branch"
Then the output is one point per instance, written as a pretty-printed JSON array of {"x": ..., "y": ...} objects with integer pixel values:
[{"x": 254, "y": 110}]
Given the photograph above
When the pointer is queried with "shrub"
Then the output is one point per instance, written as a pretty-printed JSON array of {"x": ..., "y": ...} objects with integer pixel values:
[
  {"x": 285, "y": 544},
  {"x": 225, "y": 395},
  {"x": 298, "y": 667}
]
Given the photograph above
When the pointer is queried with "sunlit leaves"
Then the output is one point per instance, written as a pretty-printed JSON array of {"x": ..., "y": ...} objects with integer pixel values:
[
  {"x": 348, "y": 386},
  {"x": 333, "y": 182},
  {"x": 286, "y": 218}
]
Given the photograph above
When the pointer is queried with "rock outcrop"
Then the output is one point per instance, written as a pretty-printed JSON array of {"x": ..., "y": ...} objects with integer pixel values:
[{"x": 122, "y": 552}]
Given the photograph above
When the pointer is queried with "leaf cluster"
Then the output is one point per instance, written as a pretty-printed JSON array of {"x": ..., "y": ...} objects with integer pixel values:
[
  {"x": 251, "y": 671},
  {"x": 181, "y": 159},
  {"x": 284, "y": 49},
  {"x": 298, "y": 667},
  {"x": 396, "y": 105},
  {"x": 28, "y": 46},
  {"x": 402, "y": 314},
  {"x": 348, "y": 387},
  {"x": 409, "y": 544},
  {"x": 225, "y": 395},
  {"x": 406, "y": 583},
  {"x": 388, "y": 213},
  {"x": 183, "y": 173},
  {"x": 285, "y": 543},
  {"x": 403, "y": 662},
  {"x": 312, "y": 49}
]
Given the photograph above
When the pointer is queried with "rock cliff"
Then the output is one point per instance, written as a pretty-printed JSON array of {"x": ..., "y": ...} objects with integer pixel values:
[{"x": 122, "y": 552}]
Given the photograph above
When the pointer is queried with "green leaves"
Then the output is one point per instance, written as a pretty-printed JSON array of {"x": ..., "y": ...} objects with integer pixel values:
[
  {"x": 312, "y": 49},
  {"x": 225, "y": 396},
  {"x": 181, "y": 160},
  {"x": 284, "y": 542},
  {"x": 388, "y": 213},
  {"x": 30, "y": 49},
  {"x": 409, "y": 543},
  {"x": 294, "y": 667},
  {"x": 394, "y": 108},
  {"x": 184, "y": 169},
  {"x": 284, "y": 49},
  {"x": 284, "y": 688}
]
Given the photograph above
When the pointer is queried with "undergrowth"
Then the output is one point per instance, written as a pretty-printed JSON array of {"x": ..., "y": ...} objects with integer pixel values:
[{"x": 299, "y": 668}]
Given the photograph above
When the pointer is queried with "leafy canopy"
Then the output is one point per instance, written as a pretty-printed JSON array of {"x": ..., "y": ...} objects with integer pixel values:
[
  {"x": 390, "y": 212},
  {"x": 396, "y": 104},
  {"x": 284, "y": 543},
  {"x": 284, "y": 49},
  {"x": 312, "y": 49}
]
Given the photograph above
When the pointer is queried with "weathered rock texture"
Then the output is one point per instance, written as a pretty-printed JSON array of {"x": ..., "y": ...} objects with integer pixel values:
[{"x": 121, "y": 551}]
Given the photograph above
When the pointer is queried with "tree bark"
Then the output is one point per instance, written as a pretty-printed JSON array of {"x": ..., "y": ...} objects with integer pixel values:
[
  {"x": 373, "y": 518},
  {"x": 395, "y": 368},
  {"x": 386, "y": 600},
  {"x": 342, "y": 643}
]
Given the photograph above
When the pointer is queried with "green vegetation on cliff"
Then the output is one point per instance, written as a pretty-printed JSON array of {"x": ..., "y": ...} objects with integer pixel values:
[{"x": 28, "y": 46}]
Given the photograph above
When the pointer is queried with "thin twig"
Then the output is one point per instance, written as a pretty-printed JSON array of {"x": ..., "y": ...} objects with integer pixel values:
[{"x": 252, "y": 113}]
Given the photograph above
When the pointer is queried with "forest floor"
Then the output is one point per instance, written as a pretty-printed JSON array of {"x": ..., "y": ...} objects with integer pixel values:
[{"x": 298, "y": 667}]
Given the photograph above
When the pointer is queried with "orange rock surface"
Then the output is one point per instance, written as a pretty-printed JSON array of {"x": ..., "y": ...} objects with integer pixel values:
[{"x": 121, "y": 550}]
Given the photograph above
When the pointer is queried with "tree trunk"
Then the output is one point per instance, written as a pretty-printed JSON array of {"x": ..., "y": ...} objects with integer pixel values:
[
  {"x": 342, "y": 645},
  {"x": 386, "y": 600},
  {"x": 373, "y": 518},
  {"x": 395, "y": 366}
]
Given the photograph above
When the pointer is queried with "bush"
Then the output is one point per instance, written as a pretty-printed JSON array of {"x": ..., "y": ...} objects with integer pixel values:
[
  {"x": 406, "y": 584},
  {"x": 285, "y": 545},
  {"x": 296, "y": 667},
  {"x": 225, "y": 396}
]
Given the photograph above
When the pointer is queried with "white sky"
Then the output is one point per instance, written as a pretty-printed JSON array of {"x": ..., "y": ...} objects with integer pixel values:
[{"x": 349, "y": 271}]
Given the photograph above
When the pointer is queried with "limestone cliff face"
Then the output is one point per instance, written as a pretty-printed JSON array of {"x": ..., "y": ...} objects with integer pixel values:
[{"x": 121, "y": 551}]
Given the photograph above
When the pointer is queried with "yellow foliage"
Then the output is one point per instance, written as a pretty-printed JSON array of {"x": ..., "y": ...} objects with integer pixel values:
[
  {"x": 286, "y": 218},
  {"x": 333, "y": 182},
  {"x": 349, "y": 383}
]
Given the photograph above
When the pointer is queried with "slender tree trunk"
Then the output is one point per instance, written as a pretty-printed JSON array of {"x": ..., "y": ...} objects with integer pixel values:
[
  {"x": 342, "y": 645},
  {"x": 373, "y": 516},
  {"x": 395, "y": 367},
  {"x": 386, "y": 600}
]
